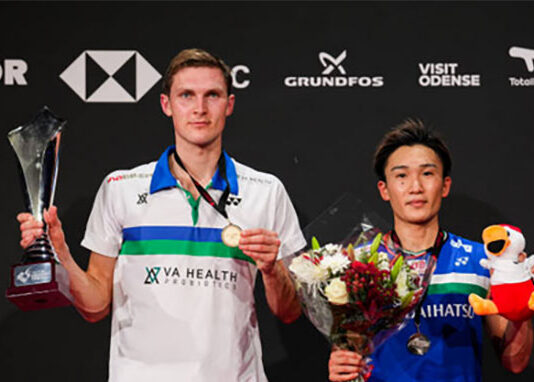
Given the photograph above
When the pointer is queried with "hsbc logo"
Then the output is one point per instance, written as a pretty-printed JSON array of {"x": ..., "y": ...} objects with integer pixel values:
[
  {"x": 332, "y": 64},
  {"x": 239, "y": 76},
  {"x": 110, "y": 76},
  {"x": 527, "y": 55}
]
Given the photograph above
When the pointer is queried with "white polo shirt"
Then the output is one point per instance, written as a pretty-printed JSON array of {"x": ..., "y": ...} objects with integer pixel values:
[{"x": 183, "y": 302}]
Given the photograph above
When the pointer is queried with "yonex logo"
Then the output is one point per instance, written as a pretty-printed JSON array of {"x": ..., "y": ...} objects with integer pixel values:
[
  {"x": 233, "y": 201},
  {"x": 152, "y": 275},
  {"x": 330, "y": 63},
  {"x": 458, "y": 244},
  {"x": 461, "y": 261},
  {"x": 142, "y": 198},
  {"x": 110, "y": 76},
  {"x": 527, "y": 55}
]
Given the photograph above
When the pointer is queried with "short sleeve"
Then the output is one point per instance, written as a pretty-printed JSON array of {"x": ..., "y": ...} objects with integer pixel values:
[
  {"x": 286, "y": 224},
  {"x": 103, "y": 233}
]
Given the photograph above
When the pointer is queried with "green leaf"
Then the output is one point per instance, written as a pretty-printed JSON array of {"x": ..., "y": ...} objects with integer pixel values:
[
  {"x": 396, "y": 268},
  {"x": 315, "y": 243},
  {"x": 376, "y": 243},
  {"x": 373, "y": 258},
  {"x": 406, "y": 300}
]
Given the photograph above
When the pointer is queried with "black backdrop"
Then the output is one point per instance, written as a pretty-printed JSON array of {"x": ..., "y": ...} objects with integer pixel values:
[{"x": 318, "y": 139}]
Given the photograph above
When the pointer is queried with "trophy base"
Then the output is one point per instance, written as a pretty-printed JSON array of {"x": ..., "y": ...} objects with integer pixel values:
[{"x": 39, "y": 285}]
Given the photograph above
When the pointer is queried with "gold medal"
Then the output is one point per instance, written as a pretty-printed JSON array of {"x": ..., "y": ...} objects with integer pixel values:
[{"x": 230, "y": 235}]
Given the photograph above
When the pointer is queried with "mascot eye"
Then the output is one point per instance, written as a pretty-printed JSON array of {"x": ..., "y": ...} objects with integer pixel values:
[{"x": 508, "y": 233}]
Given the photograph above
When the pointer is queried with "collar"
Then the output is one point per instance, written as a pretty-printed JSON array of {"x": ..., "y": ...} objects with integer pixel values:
[{"x": 162, "y": 177}]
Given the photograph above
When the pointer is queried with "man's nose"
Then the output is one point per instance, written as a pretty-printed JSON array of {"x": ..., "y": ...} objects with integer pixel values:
[
  {"x": 200, "y": 106},
  {"x": 416, "y": 185}
]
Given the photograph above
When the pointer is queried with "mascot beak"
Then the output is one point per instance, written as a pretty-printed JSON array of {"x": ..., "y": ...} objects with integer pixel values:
[{"x": 496, "y": 239}]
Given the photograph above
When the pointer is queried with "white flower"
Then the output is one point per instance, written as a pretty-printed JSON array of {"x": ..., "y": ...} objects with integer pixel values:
[
  {"x": 331, "y": 249},
  {"x": 383, "y": 261},
  {"x": 402, "y": 282},
  {"x": 306, "y": 271},
  {"x": 336, "y": 292},
  {"x": 336, "y": 263},
  {"x": 362, "y": 253}
]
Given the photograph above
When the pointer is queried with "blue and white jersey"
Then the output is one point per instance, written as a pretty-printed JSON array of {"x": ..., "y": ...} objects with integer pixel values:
[
  {"x": 183, "y": 302},
  {"x": 447, "y": 320}
]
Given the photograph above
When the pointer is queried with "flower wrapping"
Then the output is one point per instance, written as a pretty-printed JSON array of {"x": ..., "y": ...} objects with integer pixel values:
[{"x": 356, "y": 295}]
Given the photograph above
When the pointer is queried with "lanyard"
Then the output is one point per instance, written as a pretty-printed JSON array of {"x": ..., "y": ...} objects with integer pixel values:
[
  {"x": 434, "y": 254},
  {"x": 221, "y": 206}
]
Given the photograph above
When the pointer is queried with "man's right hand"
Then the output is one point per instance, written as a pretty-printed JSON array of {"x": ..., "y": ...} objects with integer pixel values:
[
  {"x": 344, "y": 365},
  {"x": 31, "y": 229}
]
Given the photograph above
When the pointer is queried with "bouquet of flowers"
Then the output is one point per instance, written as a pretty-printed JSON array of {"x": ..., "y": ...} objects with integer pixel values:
[{"x": 356, "y": 295}]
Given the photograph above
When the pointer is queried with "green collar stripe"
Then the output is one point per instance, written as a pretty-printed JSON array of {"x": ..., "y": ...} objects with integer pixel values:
[
  {"x": 182, "y": 247},
  {"x": 458, "y": 288}
]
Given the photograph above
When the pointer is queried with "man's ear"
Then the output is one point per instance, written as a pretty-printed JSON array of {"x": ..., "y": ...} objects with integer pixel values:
[
  {"x": 383, "y": 189},
  {"x": 447, "y": 182},
  {"x": 230, "y": 105},
  {"x": 165, "y": 104}
]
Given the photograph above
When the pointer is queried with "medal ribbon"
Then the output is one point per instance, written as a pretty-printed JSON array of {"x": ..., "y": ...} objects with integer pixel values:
[
  {"x": 434, "y": 254},
  {"x": 221, "y": 165}
]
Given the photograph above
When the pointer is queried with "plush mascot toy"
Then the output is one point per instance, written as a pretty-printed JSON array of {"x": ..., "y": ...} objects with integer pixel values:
[{"x": 512, "y": 288}]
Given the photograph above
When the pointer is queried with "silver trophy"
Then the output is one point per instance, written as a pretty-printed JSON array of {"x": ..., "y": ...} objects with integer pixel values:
[{"x": 39, "y": 281}]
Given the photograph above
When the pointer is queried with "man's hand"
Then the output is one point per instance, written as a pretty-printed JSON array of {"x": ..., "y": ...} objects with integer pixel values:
[
  {"x": 262, "y": 246},
  {"x": 344, "y": 365},
  {"x": 32, "y": 229}
]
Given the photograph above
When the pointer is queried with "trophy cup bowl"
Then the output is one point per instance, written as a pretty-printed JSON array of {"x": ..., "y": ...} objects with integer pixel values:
[{"x": 38, "y": 281}]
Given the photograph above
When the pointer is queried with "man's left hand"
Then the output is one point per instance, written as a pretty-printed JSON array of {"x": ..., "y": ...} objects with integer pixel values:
[{"x": 262, "y": 246}]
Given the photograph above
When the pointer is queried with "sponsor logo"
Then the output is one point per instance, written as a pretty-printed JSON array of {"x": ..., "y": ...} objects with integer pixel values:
[
  {"x": 33, "y": 274},
  {"x": 152, "y": 275},
  {"x": 333, "y": 65},
  {"x": 239, "y": 76},
  {"x": 233, "y": 200},
  {"x": 461, "y": 261},
  {"x": 445, "y": 74},
  {"x": 330, "y": 63},
  {"x": 142, "y": 198},
  {"x": 192, "y": 277},
  {"x": 12, "y": 72},
  {"x": 110, "y": 76},
  {"x": 254, "y": 179},
  {"x": 126, "y": 176},
  {"x": 458, "y": 244},
  {"x": 527, "y": 55},
  {"x": 447, "y": 310}
]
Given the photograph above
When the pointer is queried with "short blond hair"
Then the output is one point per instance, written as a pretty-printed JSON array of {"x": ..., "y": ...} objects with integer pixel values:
[{"x": 195, "y": 58}]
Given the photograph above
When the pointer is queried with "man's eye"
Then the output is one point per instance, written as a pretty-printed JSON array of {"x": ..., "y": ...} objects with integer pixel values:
[
  {"x": 213, "y": 95},
  {"x": 401, "y": 175},
  {"x": 185, "y": 95},
  {"x": 428, "y": 173}
]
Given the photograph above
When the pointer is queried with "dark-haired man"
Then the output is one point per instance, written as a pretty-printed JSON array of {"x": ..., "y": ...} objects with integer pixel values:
[
  {"x": 182, "y": 300},
  {"x": 413, "y": 167}
]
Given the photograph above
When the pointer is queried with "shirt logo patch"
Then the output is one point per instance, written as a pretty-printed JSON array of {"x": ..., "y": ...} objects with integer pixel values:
[
  {"x": 461, "y": 261},
  {"x": 142, "y": 198},
  {"x": 458, "y": 244},
  {"x": 233, "y": 201},
  {"x": 152, "y": 275}
]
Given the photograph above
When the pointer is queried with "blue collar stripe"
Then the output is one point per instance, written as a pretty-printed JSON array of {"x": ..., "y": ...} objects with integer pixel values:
[{"x": 162, "y": 177}]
